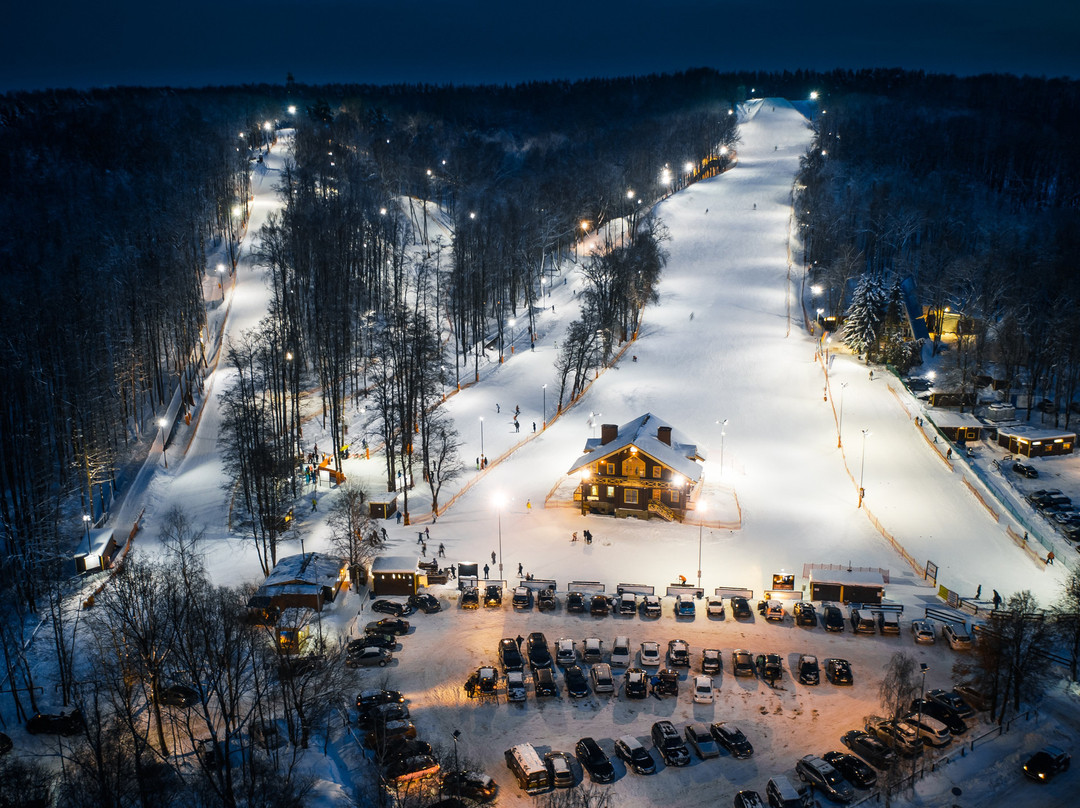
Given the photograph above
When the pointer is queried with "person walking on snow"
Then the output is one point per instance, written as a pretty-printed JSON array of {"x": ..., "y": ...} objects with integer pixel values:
[
  {"x": 528, "y": 506},
  {"x": 521, "y": 570},
  {"x": 978, "y": 592},
  {"x": 997, "y": 599},
  {"x": 1050, "y": 558},
  {"x": 492, "y": 556},
  {"x": 442, "y": 550},
  {"x": 486, "y": 570},
  {"x": 314, "y": 503}
]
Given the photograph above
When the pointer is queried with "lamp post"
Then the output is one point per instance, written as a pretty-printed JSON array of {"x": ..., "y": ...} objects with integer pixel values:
[
  {"x": 86, "y": 526},
  {"x": 499, "y": 502},
  {"x": 862, "y": 465},
  {"x": 481, "y": 437},
  {"x": 840, "y": 427},
  {"x": 585, "y": 474},
  {"x": 161, "y": 423},
  {"x": 723, "y": 432},
  {"x": 922, "y": 693},
  {"x": 221, "y": 280},
  {"x": 457, "y": 772},
  {"x": 513, "y": 322},
  {"x": 543, "y": 420},
  {"x": 701, "y": 507}
]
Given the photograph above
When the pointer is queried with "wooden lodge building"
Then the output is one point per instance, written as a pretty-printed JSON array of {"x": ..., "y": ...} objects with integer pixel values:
[{"x": 642, "y": 468}]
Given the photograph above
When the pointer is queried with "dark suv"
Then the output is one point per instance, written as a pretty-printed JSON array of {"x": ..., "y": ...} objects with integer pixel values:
[
  {"x": 537, "y": 650},
  {"x": 595, "y": 761},
  {"x": 670, "y": 744},
  {"x": 575, "y": 602},
  {"x": 510, "y": 655}
]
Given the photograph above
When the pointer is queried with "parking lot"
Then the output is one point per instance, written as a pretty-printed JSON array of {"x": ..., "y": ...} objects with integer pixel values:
[{"x": 783, "y": 722}]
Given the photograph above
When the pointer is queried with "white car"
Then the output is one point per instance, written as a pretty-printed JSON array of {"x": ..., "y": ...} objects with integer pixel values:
[
  {"x": 515, "y": 686},
  {"x": 650, "y": 654},
  {"x": 620, "y": 652},
  {"x": 703, "y": 690},
  {"x": 650, "y": 606},
  {"x": 923, "y": 630},
  {"x": 714, "y": 607},
  {"x": 592, "y": 650},
  {"x": 956, "y": 636},
  {"x": 774, "y": 610},
  {"x": 564, "y": 651},
  {"x": 602, "y": 681}
]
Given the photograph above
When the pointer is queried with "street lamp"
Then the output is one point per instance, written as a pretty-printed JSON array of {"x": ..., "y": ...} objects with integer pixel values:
[
  {"x": 922, "y": 694},
  {"x": 86, "y": 526},
  {"x": 161, "y": 423},
  {"x": 862, "y": 466},
  {"x": 722, "y": 434},
  {"x": 543, "y": 420},
  {"x": 500, "y": 501},
  {"x": 701, "y": 507},
  {"x": 457, "y": 772},
  {"x": 840, "y": 427},
  {"x": 513, "y": 322},
  {"x": 585, "y": 475},
  {"x": 481, "y": 437},
  {"x": 221, "y": 280}
]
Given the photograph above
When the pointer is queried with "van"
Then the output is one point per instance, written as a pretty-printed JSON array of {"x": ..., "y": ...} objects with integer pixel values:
[
  {"x": 782, "y": 794},
  {"x": 889, "y": 622},
  {"x": 529, "y": 769},
  {"x": 862, "y": 622}
]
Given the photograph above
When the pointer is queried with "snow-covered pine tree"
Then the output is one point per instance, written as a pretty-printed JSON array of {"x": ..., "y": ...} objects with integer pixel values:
[{"x": 862, "y": 322}]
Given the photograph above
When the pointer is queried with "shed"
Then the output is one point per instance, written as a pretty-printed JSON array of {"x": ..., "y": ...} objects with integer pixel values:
[
  {"x": 843, "y": 586},
  {"x": 382, "y": 510},
  {"x": 395, "y": 575},
  {"x": 301, "y": 581},
  {"x": 293, "y": 626},
  {"x": 958, "y": 426},
  {"x": 102, "y": 547},
  {"x": 1032, "y": 442}
]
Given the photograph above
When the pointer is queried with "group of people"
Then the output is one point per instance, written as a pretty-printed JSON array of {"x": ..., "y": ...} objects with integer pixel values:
[{"x": 586, "y": 534}]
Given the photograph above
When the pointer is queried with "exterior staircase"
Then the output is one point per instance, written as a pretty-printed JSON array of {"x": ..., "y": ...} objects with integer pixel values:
[{"x": 663, "y": 511}]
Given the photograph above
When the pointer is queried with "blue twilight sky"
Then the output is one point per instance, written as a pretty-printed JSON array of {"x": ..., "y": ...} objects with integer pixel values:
[{"x": 212, "y": 42}]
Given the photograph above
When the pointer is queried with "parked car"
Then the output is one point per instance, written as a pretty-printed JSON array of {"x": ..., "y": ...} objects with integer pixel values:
[
  {"x": 383, "y": 735},
  {"x": 650, "y": 606},
  {"x": 515, "y": 686},
  {"x": 809, "y": 671},
  {"x": 812, "y": 769},
  {"x": 598, "y": 606},
  {"x": 678, "y": 652},
  {"x": 602, "y": 680},
  {"x": 862, "y": 621},
  {"x": 493, "y": 595},
  {"x": 854, "y": 770},
  {"x": 388, "y": 625},
  {"x": 888, "y": 622},
  {"x": 805, "y": 614},
  {"x": 510, "y": 655},
  {"x": 56, "y": 723},
  {"x": 742, "y": 664},
  {"x": 1046, "y": 763},
  {"x": 401, "y": 748},
  {"x": 536, "y": 649},
  {"x": 917, "y": 384},
  {"x": 635, "y": 683},
  {"x": 620, "y": 652},
  {"x": 740, "y": 608},
  {"x": 391, "y": 607},
  {"x": 1024, "y": 470},
  {"x": 966, "y": 699},
  {"x": 544, "y": 682},
  {"x": 592, "y": 650},
  {"x": 701, "y": 741},
  {"x": 748, "y": 799},
  {"x": 522, "y": 598},
  {"x": 782, "y": 794},
  {"x": 774, "y": 611},
  {"x": 374, "y": 640},
  {"x": 367, "y": 699},
  {"x": 732, "y": 739},
  {"x": 559, "y": 769},
  {"x": 565, "y": 653},
  {"x": 932, "y": 731},
  {"x": 923, "y": 632},
  {"x": 666, "y": 682},
  {"x": 178, "y": 696},
  {"x": 956, "y": 636},
  {"x": 769, "y": 667},
  {"x": 669, "y": 744},
  {"x": 703, "y": 690},
  {"x": 576, "y": 683},
  {"x": 633, "y": 753},
  {"x": 685, "y": 606},
  {"x": 470, "y": 598},
  {"x": 595, "y": 761},
  {"x": 899, "y": 736},
  {"x": 869, "y": 748},
  {"x": 575, "y": 602},
  {"x": 425, "y": 602},
  {"x": 714, "y": 606},
  {"x": 711, "y": 661},
  {"x": 369, "y": 656},
  {"x": 627, "y": 603},
  {"x": 545, "y": 601},
  {"x": 408, "y": 770},
  {"x": 838, "y": 672},
  {"x": 832, "y": 618},
  {"x": 482, "y": 682},
  {"x": 650, "y": 654},
  {"x": 470, "y": 784},
  {"x": 943, "y": 713}
]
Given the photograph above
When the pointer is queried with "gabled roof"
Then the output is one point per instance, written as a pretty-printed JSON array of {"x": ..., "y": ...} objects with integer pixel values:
[
  {"x": 316, "y": 569},
  {"x": 681, "y": 455}
]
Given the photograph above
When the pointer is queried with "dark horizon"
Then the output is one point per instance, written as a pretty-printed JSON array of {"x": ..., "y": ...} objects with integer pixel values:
[{"x": 479, "y": 42}]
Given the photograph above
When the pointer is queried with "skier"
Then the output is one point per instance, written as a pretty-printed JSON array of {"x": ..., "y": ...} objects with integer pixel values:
[
  {"x": 978, "y": 592},
  {"x": 871, "y": 375},
  {"x": 453, "y": 570},
  {"x": 1050, "y": 558},
  {"x": 423, "y": 549},
  {"x": 528, "y": 506},
  {"x": 442, "y": 550},
  {"x": 314, "y": 503}
]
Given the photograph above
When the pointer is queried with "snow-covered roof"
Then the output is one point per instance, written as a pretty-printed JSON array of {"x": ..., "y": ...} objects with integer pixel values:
[
  {"x": 1033, "y": 434},
  {"x": 319, "y": 569},
  {"x": 949, "y": 419},
  {"x": 394, "y": 564},
  {"x": 848, "y": 578},
  {"x": 680, "y": 455}
]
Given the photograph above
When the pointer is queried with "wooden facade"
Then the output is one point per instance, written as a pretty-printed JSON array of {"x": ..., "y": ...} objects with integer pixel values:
[
  {"x": 1036, "y": 442},
  {"x": 637, "y": 469}
]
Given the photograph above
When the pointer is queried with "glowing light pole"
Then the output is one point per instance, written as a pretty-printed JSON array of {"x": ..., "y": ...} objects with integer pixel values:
[
  {"x": 86, "y": 526},
  {"x": 221, "y": 280},
  {"x": 544, "y": 419},
  {"x": 723, "y": 432},
  {"x": 862, "y": 466},
  {"x": 701, "y": 507},
  {"x": 162, "y": 423},
  {"x": 481, "y": 437},
  {"x": 500, "y": 501},
  {"x": 840, "y": 428}
]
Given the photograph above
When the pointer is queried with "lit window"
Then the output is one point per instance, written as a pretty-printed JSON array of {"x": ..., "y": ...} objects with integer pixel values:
[
  {"x": 674, "y": 496},
  {"x": 630, "y": 496},
  {"x": 611, "y": 492},
  {"x": 610, "y": 468},
  {"x": 657, "y": 470}
]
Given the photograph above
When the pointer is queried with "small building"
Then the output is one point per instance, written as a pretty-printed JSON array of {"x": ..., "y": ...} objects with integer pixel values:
[
  {"x": 305, "y": 581},
  {"x": 1032, "y": 442},
  {"x": 844, "y": 586},
  {"x": 384, "y": 509},
  {"x": 959, "y": 426},
  {"x": 396, "y": 575},
  {"x": 638, "y": 469},
  {"x": 293, "y": 628},
  {"x": 101, "y": 547}
]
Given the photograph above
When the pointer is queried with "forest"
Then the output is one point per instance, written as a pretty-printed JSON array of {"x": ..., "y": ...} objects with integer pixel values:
[{"x": 113, "y": 199}]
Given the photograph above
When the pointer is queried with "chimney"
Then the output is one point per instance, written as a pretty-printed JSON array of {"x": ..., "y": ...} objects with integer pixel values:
[
  {"x": 663, "y": 434},
  {"x": 608, "y": 433}
]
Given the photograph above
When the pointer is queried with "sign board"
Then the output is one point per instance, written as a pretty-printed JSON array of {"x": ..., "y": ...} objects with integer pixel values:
[
  {"x": 783, "y": 582},
  {"x": 538, "y": 584},
  {"x": 931, "y": 572},
  {"x": 678, "y": 589},
  {"x": 585, "y": 586},
  {"x": 733, "y": 592},
  {"x": 636, "y": 589}
]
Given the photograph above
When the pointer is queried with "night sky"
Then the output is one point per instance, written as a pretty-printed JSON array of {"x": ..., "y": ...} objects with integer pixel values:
[{"x": 217, "y": 42}]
